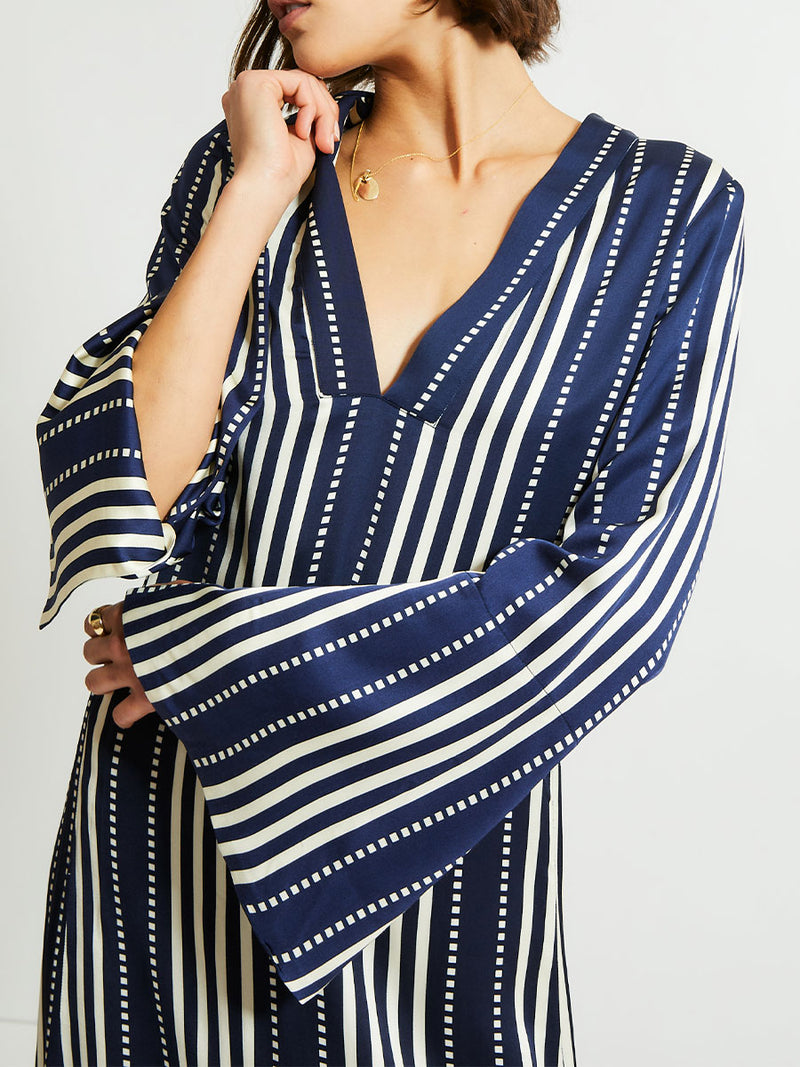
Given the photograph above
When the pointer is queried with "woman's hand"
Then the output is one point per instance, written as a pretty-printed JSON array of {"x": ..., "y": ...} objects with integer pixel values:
[
  {"x": 265, "y": 147},
  {"x": 116, "y": 669}
]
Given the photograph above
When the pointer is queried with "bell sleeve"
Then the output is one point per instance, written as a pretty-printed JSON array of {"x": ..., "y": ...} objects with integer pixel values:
[
  {"x": 353, "y": 742},
  {"x": 103, "y": 519}
]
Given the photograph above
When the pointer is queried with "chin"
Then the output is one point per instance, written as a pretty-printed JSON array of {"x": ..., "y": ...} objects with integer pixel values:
[{"x": 322, "y": 62}]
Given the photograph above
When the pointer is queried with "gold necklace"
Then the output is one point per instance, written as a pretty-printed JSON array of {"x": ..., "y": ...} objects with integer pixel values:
[{"x": 366, "y": 187}]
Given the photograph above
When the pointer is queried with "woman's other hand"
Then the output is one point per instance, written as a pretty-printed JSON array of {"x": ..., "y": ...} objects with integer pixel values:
[
  {"x": 115, "y": 670},
  {"x": 267, "y": 148}
]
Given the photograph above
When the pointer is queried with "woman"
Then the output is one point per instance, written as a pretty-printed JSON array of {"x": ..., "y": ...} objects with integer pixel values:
[{"x": 415, "y": 440}]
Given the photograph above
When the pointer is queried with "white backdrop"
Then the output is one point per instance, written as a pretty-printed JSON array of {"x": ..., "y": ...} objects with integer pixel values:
[{"x": 681, "y": 908}]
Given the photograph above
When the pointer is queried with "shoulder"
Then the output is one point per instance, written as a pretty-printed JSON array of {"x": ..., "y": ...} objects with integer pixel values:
[
  {"x": 211, "y": 149},
  {"x": 678, "y": 180},
  {"x": 202, "y": 173}
]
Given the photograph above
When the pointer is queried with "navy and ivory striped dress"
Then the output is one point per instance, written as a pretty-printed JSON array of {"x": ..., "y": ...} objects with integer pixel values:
[{"x": 339, "y": 840}]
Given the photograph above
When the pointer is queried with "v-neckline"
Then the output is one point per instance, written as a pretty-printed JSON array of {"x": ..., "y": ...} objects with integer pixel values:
[{"x": 346, "y": 363}]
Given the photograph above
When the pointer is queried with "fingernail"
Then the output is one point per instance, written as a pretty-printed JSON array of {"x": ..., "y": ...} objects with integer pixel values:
[{"x": 337, "y": 131}]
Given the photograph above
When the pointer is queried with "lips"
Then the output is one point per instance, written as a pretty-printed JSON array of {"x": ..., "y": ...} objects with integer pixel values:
[{"x": 281, "y": 8}]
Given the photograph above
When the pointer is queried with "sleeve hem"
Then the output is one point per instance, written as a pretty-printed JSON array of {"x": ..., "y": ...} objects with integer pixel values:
[{"x": 61, "y": 592}]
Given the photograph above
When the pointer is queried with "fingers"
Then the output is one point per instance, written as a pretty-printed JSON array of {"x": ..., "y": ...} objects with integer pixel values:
[
  {"x": 326, "y": 122},
  {"x": 114, "y": 670},
  {"x": 111, "y": 614},
  {"x": 316, "y": 108},
  {"x": 134, "y": 707},
  {"x": 108, "y": 677},
  {"x": 111, "y": 646},
  {"x": 105, "y": 649},
  {"x": 87, "y": 629},
  {"x": 303, "y": 96}
]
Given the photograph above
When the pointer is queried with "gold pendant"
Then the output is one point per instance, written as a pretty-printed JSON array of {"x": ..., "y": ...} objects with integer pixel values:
[{"x": 366, "y": 186}]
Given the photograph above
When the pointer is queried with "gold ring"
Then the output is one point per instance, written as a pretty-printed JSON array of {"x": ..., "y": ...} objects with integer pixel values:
[{"x": 97, "y": 624}]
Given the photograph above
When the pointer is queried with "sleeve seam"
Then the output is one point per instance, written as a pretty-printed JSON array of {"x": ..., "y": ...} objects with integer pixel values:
[
  {"x": 729, "y": 189},
  {"x": 542, "y": 688}
]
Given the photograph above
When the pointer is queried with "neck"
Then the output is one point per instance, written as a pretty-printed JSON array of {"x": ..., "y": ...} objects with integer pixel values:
[{"x": 471, "y": 78}]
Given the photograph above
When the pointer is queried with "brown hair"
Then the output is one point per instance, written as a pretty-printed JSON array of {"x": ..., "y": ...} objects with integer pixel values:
[{"x": 527, "y": 24}]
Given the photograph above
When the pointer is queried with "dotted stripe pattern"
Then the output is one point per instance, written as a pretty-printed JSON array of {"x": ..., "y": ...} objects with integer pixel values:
[
  {"x": 322, "y": 1031},
  {"x": 352, "y": 695},
  {"x": 327, "y": 859},
  {"x": 634, "y": 335},
  {"x": 648, "y": 501},
  {"x": 649, "y": 497},
  {"x": 452, "y": 961},
  {"x": 206, "y": 484},
  {"x": 273, "y": 1011},
  {"x": 122, "y": 955},
  {"x": 330, "y": 310},
  {"x": 318, "y": 651},
  {"x": 586, "y": 336},
  {"x": 395, "y": 836},
  {"x": 83, "y": 360},
  {"x": 599, "y": 489},
  {"x": 516, "y": 775},
  {"x": 88, "y": 461},
  {"x": 394, "y": 446},
  {"x": 152, "y": 939},
  {"x": 361, "y": 913},
  {"x": 121, "y": 453},
  {"x": 367, "y": 689},
  {"x": 520, "y": 273},
  {"x": 83, "y": 416},
  {"x": 499, "y": 962},
  {"x": 672, "y": 291},
  {"x": 50, "y": 986},
  {"x": 330, "y": 500},
  {"x": 627, "y": 414},
  {"x": 222, "y": 440},
  {"x": 506, "y": 780},
  {"x": 189, "y": 209}
]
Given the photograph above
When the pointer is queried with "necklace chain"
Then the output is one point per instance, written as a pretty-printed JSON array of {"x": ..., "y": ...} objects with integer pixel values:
[{"x": 365, "y": 187}]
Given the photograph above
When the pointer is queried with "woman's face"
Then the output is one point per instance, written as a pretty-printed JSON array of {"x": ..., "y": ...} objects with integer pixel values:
[{"x": 329, "y": 37}]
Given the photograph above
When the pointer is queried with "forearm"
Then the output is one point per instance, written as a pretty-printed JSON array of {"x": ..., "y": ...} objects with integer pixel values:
[{"x": 179, "y": 363}]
